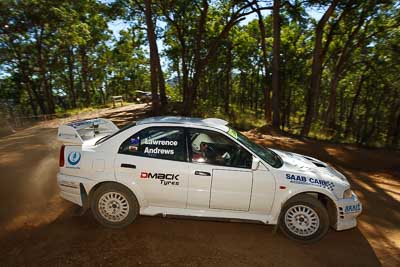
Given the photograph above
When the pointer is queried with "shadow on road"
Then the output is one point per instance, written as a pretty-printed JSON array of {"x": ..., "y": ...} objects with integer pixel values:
[
  {"x": 374, "y": 176},
  {"x": 153, "y": 241}
]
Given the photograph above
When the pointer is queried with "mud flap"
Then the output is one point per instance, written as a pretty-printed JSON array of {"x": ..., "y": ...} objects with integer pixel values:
[
  {"x": 276, "y": 227},
  {"x": 80, "y": 211}
]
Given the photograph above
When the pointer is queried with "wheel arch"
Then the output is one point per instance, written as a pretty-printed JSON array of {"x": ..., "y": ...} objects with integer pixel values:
[
  {"x": 131, "y": 188},
  {"x": 326, "y": 200}
]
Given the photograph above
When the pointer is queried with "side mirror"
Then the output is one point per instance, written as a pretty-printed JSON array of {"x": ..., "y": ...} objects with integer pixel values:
[{"x": 256, "y": 164}]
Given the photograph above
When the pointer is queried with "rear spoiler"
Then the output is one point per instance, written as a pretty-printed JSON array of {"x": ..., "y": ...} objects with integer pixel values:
[{"x": 79, "y": 131}]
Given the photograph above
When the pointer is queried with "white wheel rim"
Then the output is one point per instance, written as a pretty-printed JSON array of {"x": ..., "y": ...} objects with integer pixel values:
[
  {"x": 113, "y": 206},
  {"x": 302, "y": 220}
]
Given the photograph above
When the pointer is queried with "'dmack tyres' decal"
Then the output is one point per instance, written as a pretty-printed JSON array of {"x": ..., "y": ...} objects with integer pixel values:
[
  {"x": 298, "y": 179},
  {"x": 165, "y": 178}
]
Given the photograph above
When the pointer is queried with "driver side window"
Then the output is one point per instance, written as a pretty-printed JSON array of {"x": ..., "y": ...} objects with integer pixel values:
[{"x": 216, "y": 149}]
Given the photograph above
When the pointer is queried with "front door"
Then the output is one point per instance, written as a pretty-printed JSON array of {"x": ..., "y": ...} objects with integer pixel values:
[
  {"x": 220, "y": 172},
  {"x": 156, "y": 160}
]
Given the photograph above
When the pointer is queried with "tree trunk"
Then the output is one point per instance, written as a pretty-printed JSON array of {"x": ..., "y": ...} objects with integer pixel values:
[
  {"x": 42, "y": 70},
  {"x": 157, "y": 75},
  {"x": 353, "y": 105},
  {"x": 32, "y": 92},
  {"x": 367, "y": 134},
  {"x": 267, "y": 93},
  {"x": 228, "y": 74},
  {"x": 185, "y": 74},
  {"x": 316, "y": 70},
  {"x": 153, "y": 56},
  {"x": 393, "y": 125},
  {"x": 199, "y": 62},
  {"x": 330, "y": 122},
  {"x": 85, "y": 74},
  {"x": 71, "y": 81},
  {"x": 396, "y": 132},
  {"x": 161, "y": 80},
  {"x": 275, "y": 65}
]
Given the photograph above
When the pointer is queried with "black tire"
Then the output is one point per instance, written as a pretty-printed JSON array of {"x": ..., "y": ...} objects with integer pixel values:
[
  {"x": 313, "y": 204},
  {"x": 117, "y": 191}
]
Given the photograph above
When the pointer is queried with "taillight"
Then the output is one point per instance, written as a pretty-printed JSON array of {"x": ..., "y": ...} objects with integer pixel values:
[{"x": 62, "y": 161}]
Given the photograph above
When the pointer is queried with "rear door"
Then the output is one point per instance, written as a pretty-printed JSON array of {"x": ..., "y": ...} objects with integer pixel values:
[
  {"x": 156, "y": 160},
  {"x": 220, "y": 172}
]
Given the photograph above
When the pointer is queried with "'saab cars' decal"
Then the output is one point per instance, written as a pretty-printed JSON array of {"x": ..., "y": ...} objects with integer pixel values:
[
  {"x": 298, "y": 179},
  {"x": 74, "y": 157}
]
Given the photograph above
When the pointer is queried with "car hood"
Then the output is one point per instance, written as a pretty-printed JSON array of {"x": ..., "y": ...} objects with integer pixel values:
[{"x": 294, "y": 162}]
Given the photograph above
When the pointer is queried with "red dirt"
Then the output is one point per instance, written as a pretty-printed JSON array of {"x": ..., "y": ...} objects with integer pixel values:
[{"x": 38, "y": 228}]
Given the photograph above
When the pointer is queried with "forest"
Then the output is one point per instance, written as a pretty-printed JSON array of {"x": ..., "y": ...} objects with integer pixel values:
[{"x": 322, "y": 69}]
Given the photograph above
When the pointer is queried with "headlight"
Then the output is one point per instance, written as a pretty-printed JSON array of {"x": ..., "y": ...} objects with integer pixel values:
[{"x": 348, "y": 193}]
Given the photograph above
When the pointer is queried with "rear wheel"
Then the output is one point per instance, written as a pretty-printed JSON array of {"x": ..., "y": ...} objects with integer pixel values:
[
  {"x": 114, "y": 205},
  {"x": 304, "y": 218}
]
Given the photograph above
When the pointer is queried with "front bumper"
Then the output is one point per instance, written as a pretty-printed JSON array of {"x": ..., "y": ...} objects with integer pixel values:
[{"x": 347, "y": 211}]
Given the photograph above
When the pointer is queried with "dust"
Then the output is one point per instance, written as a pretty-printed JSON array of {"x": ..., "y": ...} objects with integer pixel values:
[{"x": 28, "y": 172}]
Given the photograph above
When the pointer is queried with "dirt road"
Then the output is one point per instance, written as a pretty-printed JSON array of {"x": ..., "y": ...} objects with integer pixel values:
[{"x": 38, "y": 228}]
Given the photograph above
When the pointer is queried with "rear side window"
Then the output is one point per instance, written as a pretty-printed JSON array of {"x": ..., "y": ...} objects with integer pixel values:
[{"x": 157, "y": 142}]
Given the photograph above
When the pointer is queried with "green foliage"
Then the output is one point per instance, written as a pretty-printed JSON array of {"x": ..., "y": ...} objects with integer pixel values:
[{"x": 59, "y": 56}]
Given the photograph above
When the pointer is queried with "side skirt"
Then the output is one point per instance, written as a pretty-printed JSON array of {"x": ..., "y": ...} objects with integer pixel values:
[{"x": 208, "y": 214}]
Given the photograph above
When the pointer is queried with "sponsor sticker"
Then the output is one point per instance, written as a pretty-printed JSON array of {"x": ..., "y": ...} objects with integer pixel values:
[
  {"x": 133, "y": 148},
  {"x": 299, "y": 179},
  {"x": 135, "y": 141},
  {"x": 352, "y": 208},
  {"x": 159, "y": 151},
  {"x": 164, "y": 178},
  {"x": 160, "y": 142},
  {"x": 77, "y": 124},
  {"x": 74, "y": 158},
  {"x": 168, "y": 146}
]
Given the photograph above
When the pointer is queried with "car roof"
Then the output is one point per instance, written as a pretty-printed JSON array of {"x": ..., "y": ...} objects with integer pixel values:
[{"x": 207, "y": 122}]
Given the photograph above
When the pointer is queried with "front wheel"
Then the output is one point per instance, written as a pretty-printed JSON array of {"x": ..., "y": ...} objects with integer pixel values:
[
  {"x": 305, "y": 219},
  {"x": 114, "y": 205}
]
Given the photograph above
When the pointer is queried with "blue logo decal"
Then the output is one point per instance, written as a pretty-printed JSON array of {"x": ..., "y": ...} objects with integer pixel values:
[
  {"x": 74, "y": 158},
  {"x": 135, "y": 141}
]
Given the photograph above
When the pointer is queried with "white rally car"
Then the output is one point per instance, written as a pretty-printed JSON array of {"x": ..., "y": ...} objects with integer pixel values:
[{"x": 199, "y": 168}]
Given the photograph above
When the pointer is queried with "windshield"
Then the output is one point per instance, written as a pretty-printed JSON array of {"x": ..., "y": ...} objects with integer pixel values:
[{"x": 265, "y": 154}]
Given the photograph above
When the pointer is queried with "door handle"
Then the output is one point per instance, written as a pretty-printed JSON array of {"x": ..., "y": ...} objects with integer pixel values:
[
  {"x": 202, "y": 173},
  {"x": 126, "y": 165}
]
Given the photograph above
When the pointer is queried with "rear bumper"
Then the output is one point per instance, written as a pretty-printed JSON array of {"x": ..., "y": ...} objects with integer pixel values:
[
  {"x": 72, "y": 188},
  {"x": 348, "y": 210}
]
